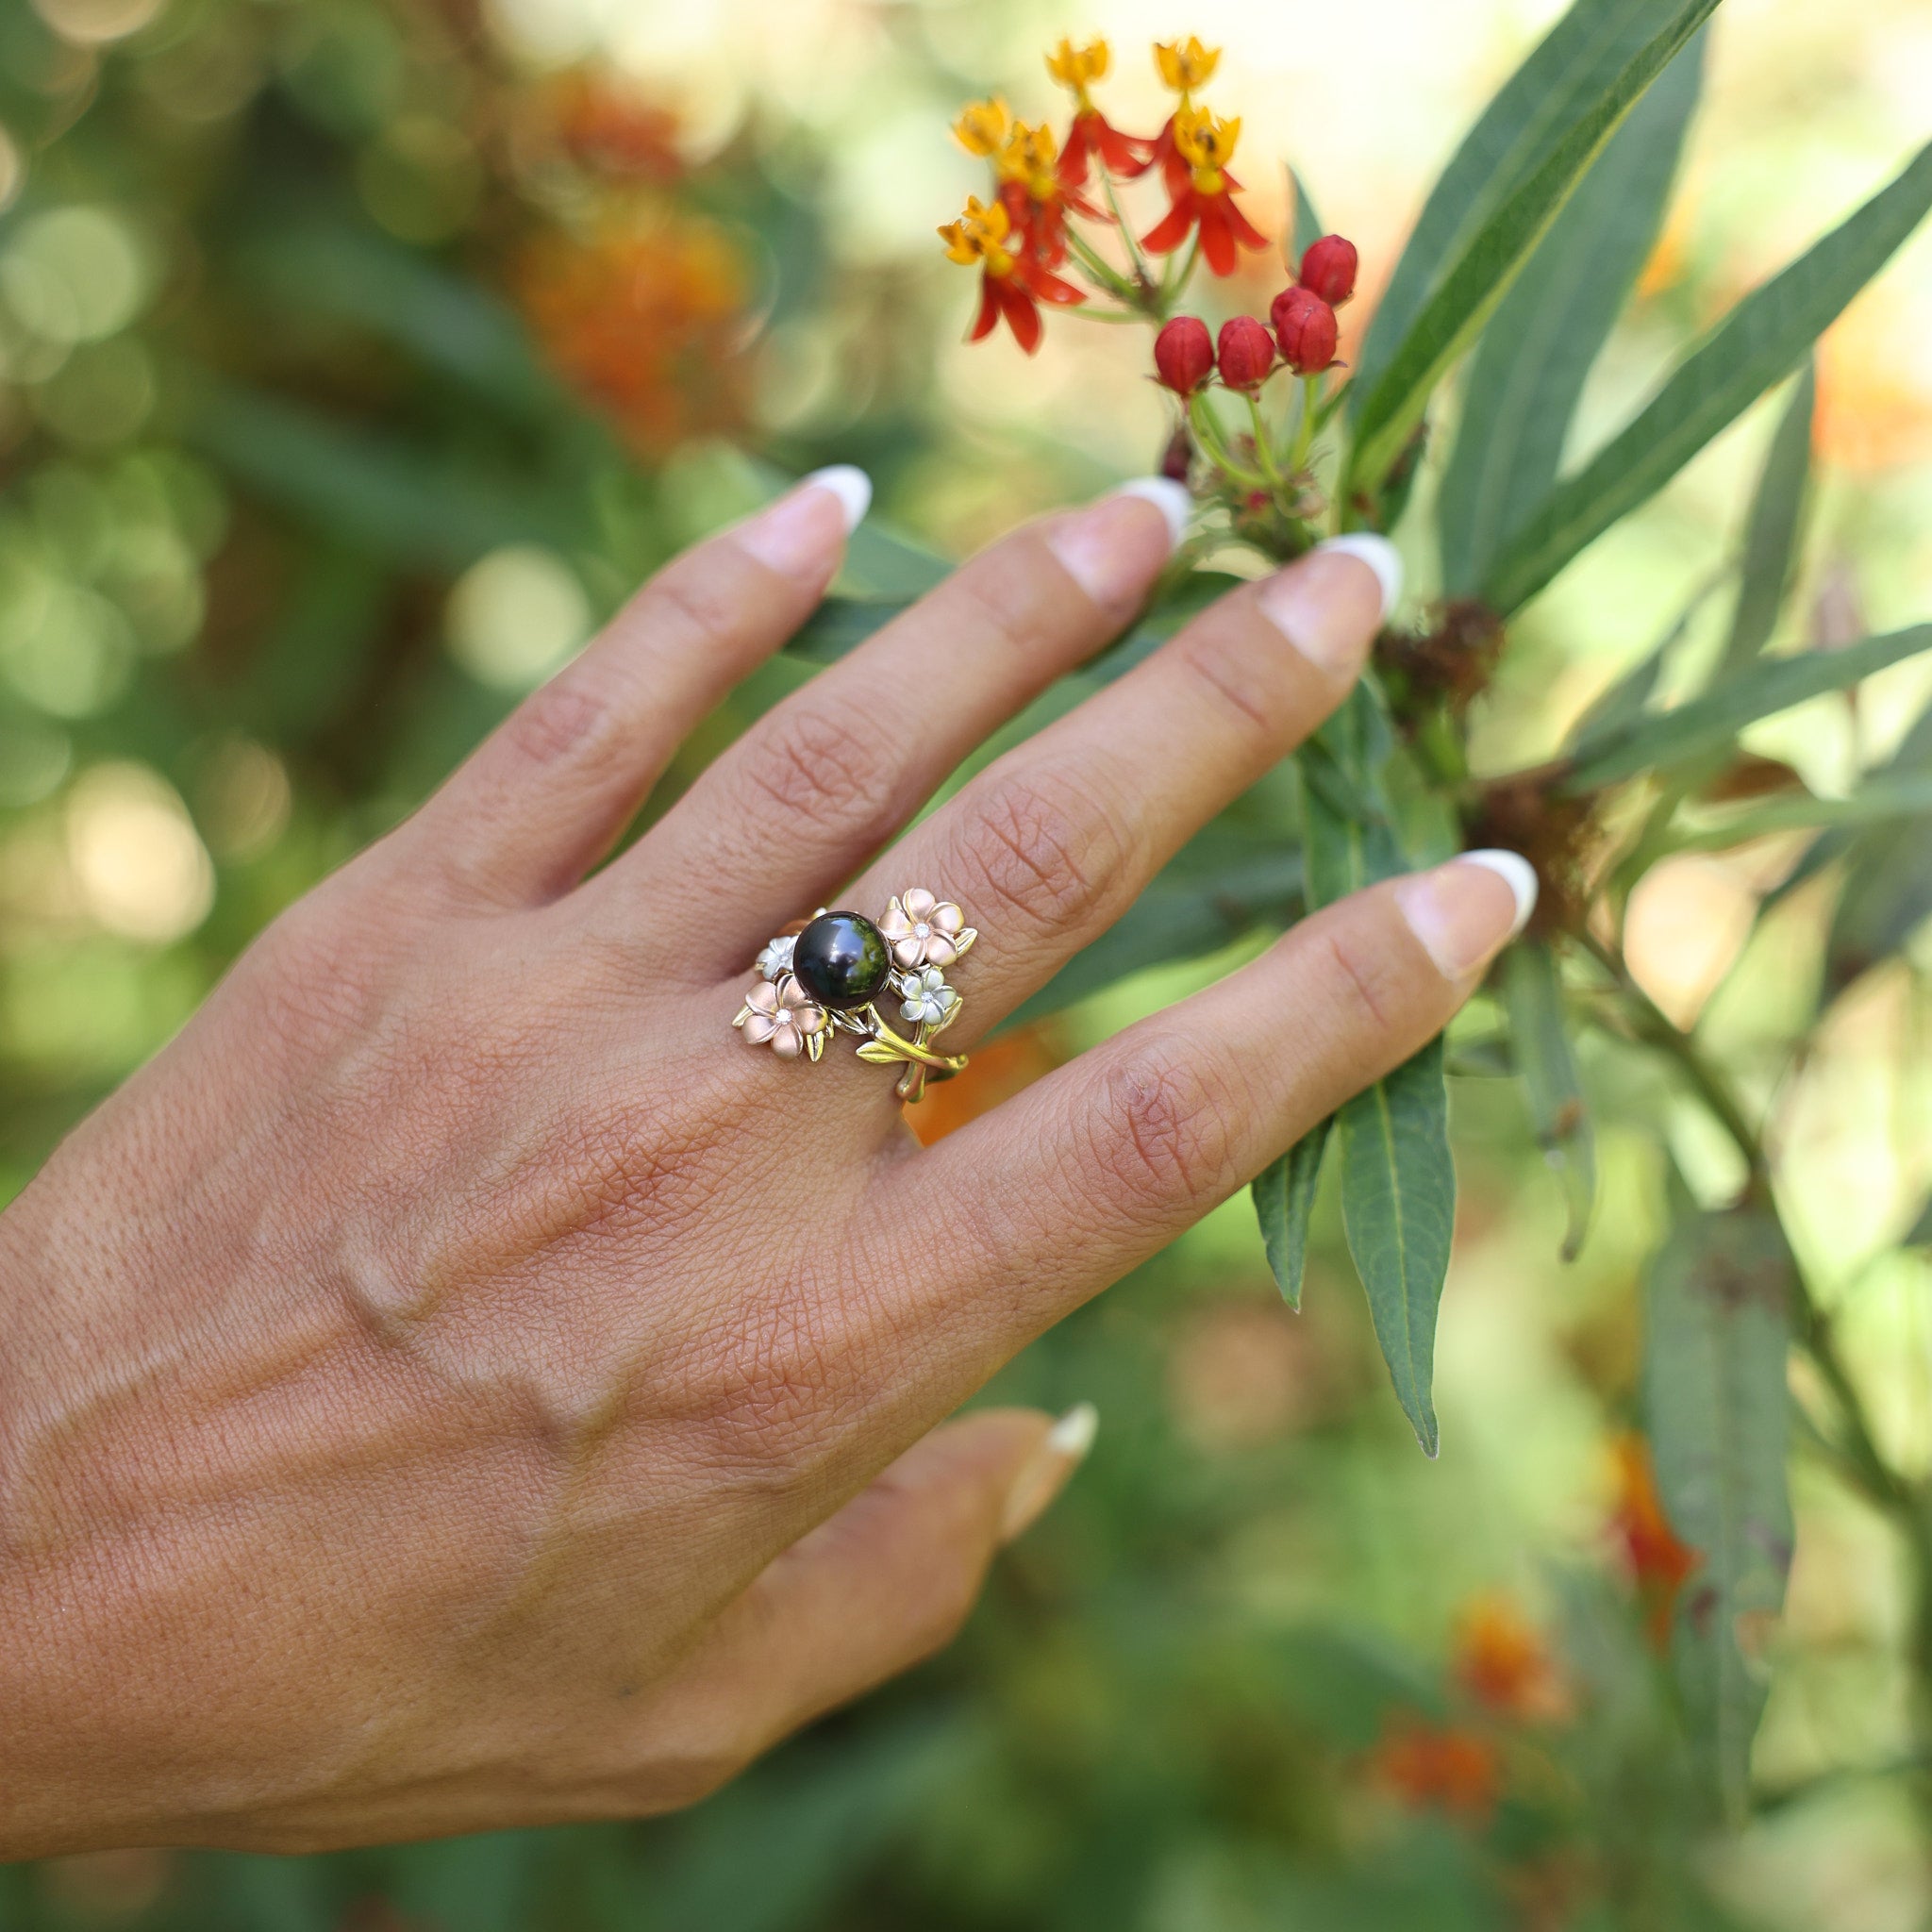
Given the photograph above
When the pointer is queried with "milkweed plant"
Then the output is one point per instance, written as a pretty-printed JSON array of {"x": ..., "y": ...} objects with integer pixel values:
[{"x": 1522, "y": 256}]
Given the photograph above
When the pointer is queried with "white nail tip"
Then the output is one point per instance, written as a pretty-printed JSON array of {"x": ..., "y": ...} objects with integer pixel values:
[
  {"x": 1073, "y": 1435},
  {"x": 1173, "y": 500},
  {"x": 1516, "y": 873},
  {"x": 1380, "y": 556},
  {"x": 850, "y": 485}
]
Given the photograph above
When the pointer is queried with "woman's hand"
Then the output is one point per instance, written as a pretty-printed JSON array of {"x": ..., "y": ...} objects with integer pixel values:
[{"x": 459, "y": 1384}]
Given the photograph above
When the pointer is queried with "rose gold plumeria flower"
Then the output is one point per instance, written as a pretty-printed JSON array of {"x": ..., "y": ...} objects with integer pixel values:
[
  {"x": 784, "y": 1017},
  {"x": 924, "y": 931}
]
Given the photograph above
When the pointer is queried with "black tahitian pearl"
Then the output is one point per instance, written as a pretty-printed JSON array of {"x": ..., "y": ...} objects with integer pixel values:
[{"x": 840, "y": 960}]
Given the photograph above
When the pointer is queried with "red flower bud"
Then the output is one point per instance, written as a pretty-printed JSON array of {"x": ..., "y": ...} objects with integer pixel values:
[
  {"x": 1184, "y": 354},
  {"x": 1247, "y": 353},
  {"x": 1305, "y": 328},
  {"x": 1328, "y": 270}
]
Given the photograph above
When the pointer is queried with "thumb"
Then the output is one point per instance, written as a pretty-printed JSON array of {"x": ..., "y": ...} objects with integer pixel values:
[{"x": 887, "y": 1581}]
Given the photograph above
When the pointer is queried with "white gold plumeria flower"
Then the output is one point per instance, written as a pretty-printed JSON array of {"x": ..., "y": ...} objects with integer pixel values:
[
  {"x": 928, "y": 998},
  {"x": 776, "y": 960},
  {"x": 784, "y": 1017},
  {"x": 923, "y": 930}
]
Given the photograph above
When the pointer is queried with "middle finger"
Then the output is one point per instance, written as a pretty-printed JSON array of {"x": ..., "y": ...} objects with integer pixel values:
[{"x": 1050, "y": 843}]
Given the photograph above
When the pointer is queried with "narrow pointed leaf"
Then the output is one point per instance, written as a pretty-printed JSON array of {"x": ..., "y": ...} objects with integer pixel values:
[
  {"x": 1716, "y": 1338},
  {"x": 1710, "y": 723},
  {"x": 1772, "y": 536},
  {"x": 1308, "y": 221},
  {"x": 1621, "y": 708},
  {"x": 1398, "y": 1204},
  {"x": 1284, "y": 1199},
  {"x": 1569, "y": 68},
  {"x": 1398, "y": 1180},
  {"x": 1478, "y": 279},
  {"x": 1758, "y": 343},
  {"x": 1886, "y": 897},
  {"x": 1539, "y": 1044},
  {"x": 1529, "y": 369}
]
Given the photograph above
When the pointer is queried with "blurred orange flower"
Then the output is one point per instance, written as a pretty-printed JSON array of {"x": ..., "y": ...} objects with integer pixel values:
[
  {"x": 1439, "y": 1767},
  {"x": 612, "y": 130},
  {"x": 1502, "y": 1661},
  {"x": 645, "y": 320},
  {"x": 1659, "y": 1563}
]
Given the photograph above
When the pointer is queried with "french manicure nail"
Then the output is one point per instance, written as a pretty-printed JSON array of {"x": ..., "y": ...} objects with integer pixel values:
[
  {"x": 1329, "y": 611},
  {"x": 1466, "y": 911},
  {"x": 1112, "y": 550},
  {"x": 1044, "y": 1476},
  {"x": 1380, "y": 556},
  {"x": 850, "y": 485},
  {"x": 797, "y": 535}
]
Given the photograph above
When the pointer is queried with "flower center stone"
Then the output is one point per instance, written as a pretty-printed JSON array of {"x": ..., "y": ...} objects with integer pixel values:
[{"x": 840, "y": 960}]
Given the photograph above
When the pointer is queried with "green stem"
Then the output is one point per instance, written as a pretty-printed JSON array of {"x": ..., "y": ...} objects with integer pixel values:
[
  {"x": 1263, "y": 452},
  {"x": 1127, "y": 242},
  {"x": 1208, "y": 434},
  {"x": 1098, "y": 269},
  {"x": 1304, "y": 435}
]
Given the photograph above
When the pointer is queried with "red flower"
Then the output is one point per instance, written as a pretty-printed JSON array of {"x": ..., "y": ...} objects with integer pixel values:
[
  {"x": 1439, "y": 1767},
  {"x": 1012, "y": 285},
  {"x": 1184, "y": 355},
  {"x": 1503, "y": 1662},
  {"x": 1246, "y": 353},
  {"x": 1205, "y": 200},
  {"x": 1305, "y": 327},
  {"x": 1076, "y": 68},
  {"x": 1328, "y": 269}
]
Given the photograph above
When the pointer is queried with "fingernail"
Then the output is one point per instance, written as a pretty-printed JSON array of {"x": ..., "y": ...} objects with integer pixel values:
[
  {"x": 1061, "y": 1453},
  {"x": 1112, "y": 549},
  {"x": 1174, "y": 501},
  {"x": 1467, "y": 911},
  {"x": 1328, "y": 610},
  {"x": 1380, "y": 556},
  {"x": 799, "y": 534}
]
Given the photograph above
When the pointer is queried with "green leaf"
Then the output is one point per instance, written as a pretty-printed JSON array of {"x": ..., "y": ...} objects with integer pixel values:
[
  {"x": 1569, "y": 68},
  {"x": 1886, "y": 897},
  {"x": 841, "y": 624},
  {"x": 1621, "y": 707},
  {"x": 1529, "y": 369},
  {"x": 1716, "y": 1341},
  {"x": 1284, "y": 1199},
  {"x": 1308, "y": 227},
  {"x": 1761, "y": 341},
  {"x": 1878, "y": 800},
  {"x": 1772, "y": 535},
  {"x": 1710, "y": 723},
  {"x": 1920, "y": 1234},
  {"x": 1532, "y": 985},
  {"x": 1398, "y": 1179},
  {"x": 1398, "y": 1204},
  {"x": 1476, "y": 279}
]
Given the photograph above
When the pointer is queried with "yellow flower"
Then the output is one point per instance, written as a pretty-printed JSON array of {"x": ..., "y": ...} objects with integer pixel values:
[
  {"x": 1078, "y": 68},
  {"x": 977, "y": 237},
  {"x": 1029, "y": 157},
  {"x": 982, "y": 126},
  {"x": 1207, "y": 143},
  {"x": 1186, "y": 64}
]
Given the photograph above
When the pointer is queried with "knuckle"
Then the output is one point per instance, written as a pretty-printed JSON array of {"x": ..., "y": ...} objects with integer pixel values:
[
  {"x": 563, "y": 718},
  {"x": 1166, "y": 1131},
  {"x": 825, "y": 764},
  {"x": 1036, "y": 849},
  {"x": 1247, "y": 690},
  {"x": 694, "y": 597},
  {"x": 1366, "y": 981}
]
